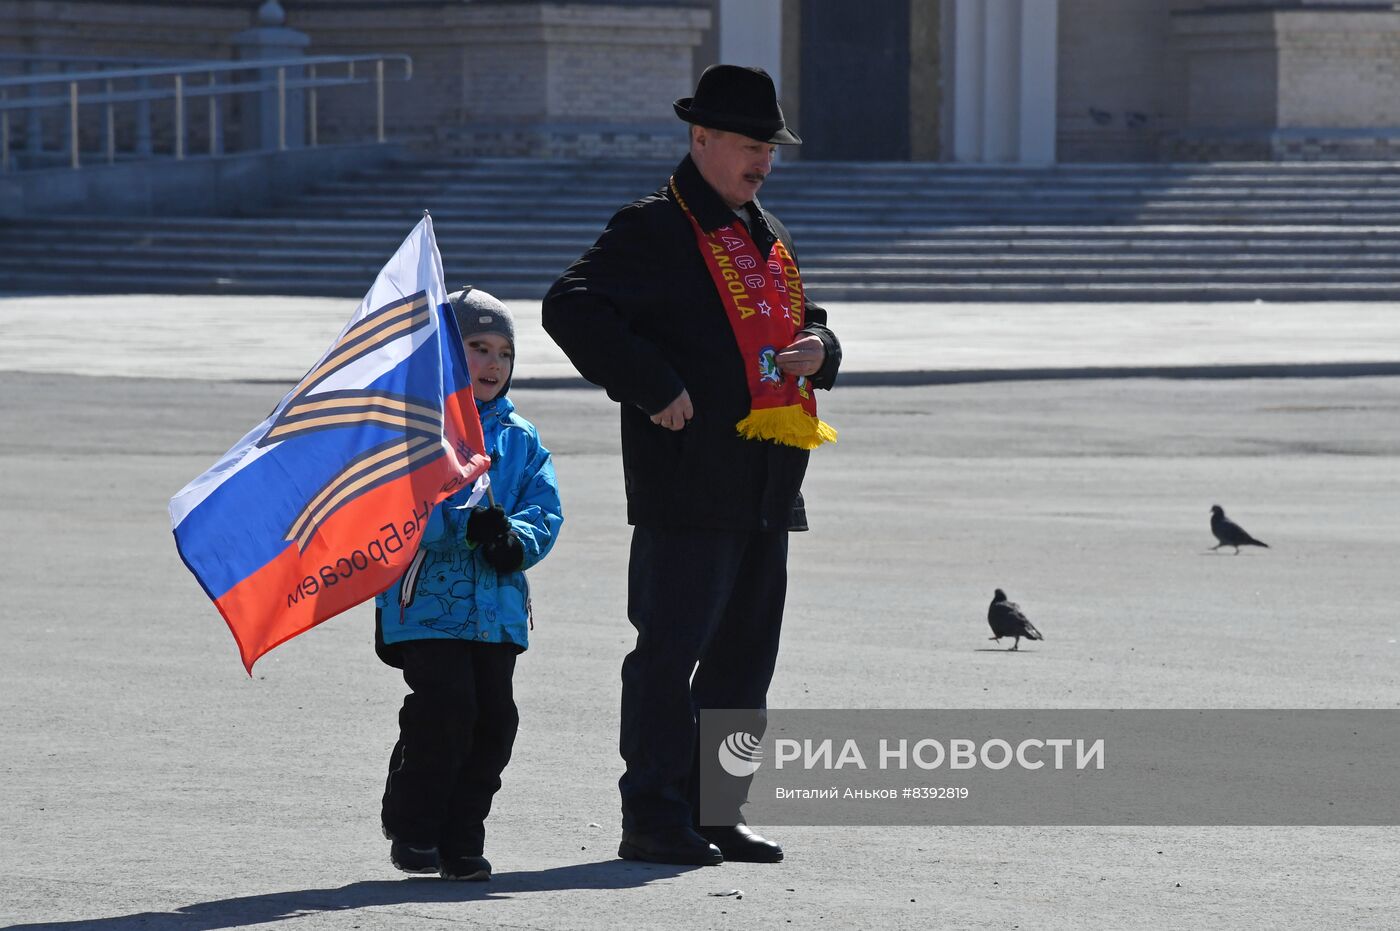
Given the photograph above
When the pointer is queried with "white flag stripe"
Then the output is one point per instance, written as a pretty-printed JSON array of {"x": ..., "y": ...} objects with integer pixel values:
[{"x": 416, "y": 266}]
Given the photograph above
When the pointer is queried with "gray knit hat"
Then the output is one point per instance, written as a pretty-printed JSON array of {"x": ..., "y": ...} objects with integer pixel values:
[{"x": 479, "y": 312}]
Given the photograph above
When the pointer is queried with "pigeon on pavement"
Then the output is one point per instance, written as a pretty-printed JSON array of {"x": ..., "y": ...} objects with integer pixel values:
[
  {"x": 1230, "y": 533},
  {"x": 1008, "y": 621}
]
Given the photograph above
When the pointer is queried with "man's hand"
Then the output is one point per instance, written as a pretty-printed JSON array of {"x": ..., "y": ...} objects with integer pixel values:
[
  {"x": 677, "y": 414},
  {"x": 803, "y": 356}
]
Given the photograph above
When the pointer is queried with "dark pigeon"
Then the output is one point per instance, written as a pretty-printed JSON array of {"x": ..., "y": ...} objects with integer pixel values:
[
  {"x": 1008, "y": 621},
  {"x": 1230, "y": 533}
]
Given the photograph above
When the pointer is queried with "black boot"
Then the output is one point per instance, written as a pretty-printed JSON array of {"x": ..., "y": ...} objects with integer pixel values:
[
  {"x": 742, "y": 845},
  {"x": 678, "y": 845}
]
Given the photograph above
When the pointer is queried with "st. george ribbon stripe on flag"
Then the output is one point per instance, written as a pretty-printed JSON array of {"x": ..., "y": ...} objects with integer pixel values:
[
  {"x": 338, "y": 408},
  {"x": 378, "y": 466},
  {"x": 380, "y": 328},
  {"x": 347, "y": 408},
  {"x": 335, "y": 408},
  {"x": 319, "y": 507},
  {"x": 269, "y": 487}
]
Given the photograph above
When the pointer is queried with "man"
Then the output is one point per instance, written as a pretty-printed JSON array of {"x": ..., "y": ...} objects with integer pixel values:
[{"x": 689, "y": 311}]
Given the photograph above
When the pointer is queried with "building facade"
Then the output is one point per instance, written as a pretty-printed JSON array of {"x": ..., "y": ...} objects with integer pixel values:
[{"x": 974, "y": 81}]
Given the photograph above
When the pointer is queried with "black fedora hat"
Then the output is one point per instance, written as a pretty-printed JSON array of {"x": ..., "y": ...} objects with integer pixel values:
[{"x": 738, "y": 100}]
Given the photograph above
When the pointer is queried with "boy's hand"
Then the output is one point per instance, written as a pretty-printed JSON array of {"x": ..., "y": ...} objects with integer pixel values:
[
  {"x": 486, "y": 524},
  {"x": 505, "y": 553}
]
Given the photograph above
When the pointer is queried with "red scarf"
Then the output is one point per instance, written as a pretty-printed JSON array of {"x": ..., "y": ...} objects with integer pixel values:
[{"x": 763, "y": 301}]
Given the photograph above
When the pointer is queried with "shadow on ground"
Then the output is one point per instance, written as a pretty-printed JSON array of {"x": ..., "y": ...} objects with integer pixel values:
[{"x": 280, "y": 906}]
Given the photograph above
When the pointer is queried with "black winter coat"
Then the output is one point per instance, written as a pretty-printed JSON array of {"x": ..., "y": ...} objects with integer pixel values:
[{"x": 639, "y": 315}]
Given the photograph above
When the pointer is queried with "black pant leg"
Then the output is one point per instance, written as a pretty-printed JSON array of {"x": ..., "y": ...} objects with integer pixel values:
[
  {"x": 737, "y": 665},
  {"x": 493, "y": 736},
  {"x": 678, "y": 584},
  {"x": 435, "y": 733}
]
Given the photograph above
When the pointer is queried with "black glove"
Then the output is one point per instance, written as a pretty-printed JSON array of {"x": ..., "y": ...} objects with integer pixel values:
[
  {"x": 486, "y": 524},
  {"x": 505, "y": 553}
]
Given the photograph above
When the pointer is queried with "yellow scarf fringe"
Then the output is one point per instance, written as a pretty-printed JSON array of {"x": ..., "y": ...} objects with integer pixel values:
[{"x": 790, "y": 425}]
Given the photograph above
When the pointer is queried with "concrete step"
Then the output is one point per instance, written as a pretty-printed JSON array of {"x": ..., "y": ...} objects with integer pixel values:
[
  {"x": 834, "y": 179},
  {"x": 1110, "y": 240},
  {"x": 260, "y": 228},
  {"x": 872, "y": 172},
  {"x": 908, "y": 217},
  {"x": 864, "y": 231},
  {"x": 552, "y": 261},
  {"x": 506, "y": 191},
  {"x": 187, "y": 282},
  {"x": 243, "y": 267},
  {"x": 36, "y": 282},
  {"x": 1002, "y": 292},
  {"x": 506, "y": 204}
]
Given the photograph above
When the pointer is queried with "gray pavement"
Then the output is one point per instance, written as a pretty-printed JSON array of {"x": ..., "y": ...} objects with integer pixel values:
[
  {"x": 151, "y": 784},
  {"x": 262, "y": 338}
]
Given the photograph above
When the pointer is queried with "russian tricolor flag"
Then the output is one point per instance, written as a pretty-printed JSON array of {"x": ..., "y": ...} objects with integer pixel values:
[{"x": 320, "y": 506}]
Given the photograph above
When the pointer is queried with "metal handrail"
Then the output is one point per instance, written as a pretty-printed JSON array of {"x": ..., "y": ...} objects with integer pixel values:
[
  {"x": 52, "y": 58},
  {"x": 62, "y": 58},
  {"x": 179, "y": 92},
  {"x": 198, "y": 90},
  {"x": 210, "y": 66}
]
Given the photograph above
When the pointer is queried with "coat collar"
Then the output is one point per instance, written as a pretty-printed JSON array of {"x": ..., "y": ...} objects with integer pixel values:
[
  {"x": 498, "y": 408},
  {"x": 710, "y": 210}
]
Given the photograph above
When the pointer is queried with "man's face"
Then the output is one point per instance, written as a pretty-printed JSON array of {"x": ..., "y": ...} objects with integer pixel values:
[
  {"x": 489, "y": 358},
  {"x": 733, "y": 164}
]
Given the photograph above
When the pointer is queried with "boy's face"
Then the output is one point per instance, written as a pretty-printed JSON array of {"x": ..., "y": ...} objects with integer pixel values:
[{"x": 489, "y": 359}]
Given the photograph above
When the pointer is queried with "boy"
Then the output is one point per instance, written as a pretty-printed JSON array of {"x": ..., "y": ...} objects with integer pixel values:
[{"x": 457, "y": 619}]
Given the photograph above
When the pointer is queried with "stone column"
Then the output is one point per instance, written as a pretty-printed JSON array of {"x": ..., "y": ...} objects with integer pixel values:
[
  {"x": 964, "y": 27},
  {"x": 1039, "y": 60},
  {"x": 925, "y": 89},
  {"x": 1000, "y": 83},
  {"x": 751, "y": 34},
  {"x": 1002, "y": 69},
  {"x": 268, "y": 41}
]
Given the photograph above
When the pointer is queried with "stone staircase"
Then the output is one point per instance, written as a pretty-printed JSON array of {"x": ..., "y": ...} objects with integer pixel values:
[{"x": 889, "y": 231}]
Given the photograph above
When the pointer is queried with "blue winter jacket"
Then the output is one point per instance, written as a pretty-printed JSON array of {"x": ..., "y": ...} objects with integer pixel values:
[{"x": 449, "y": 589}]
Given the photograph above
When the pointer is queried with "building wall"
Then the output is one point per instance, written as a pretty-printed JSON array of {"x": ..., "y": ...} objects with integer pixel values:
[
  {"x": 1137, "y": 80},
  {"x": 168, "y": 30},
  {"x": 1297, "y": 82},
  {"x": 1338, "y": 71},
  {"x": 430, "y": 33},
  {"x": 925, "y": 82},
  {"x": 539, "y": 79},
  {"x": 118, "y": 30},
  {"x": 1120, "y": 84},
  {"x": 506, "y": 78}
]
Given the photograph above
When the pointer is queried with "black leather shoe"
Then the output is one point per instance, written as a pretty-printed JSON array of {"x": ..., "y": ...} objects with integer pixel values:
[
  {"x": 671, "y": 845},
  {"x": 742, "y": 845}
]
